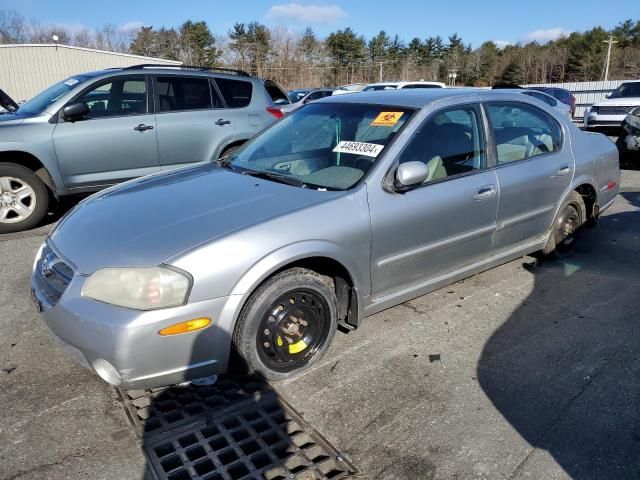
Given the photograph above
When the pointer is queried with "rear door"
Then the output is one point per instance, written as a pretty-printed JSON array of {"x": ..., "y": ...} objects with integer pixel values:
[
  {"x": 192, "y": 120},
  {"x": 535, "y": 168},
  {"x": 246, "y": 110},
  {"x": 116, "y": 141}
]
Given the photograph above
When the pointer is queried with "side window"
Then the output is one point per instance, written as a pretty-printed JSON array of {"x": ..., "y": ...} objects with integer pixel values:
[
  {"x": 117, "y": 98},
  {"x": 449, "y": 143},
  {"x": 522, "y": 131},
  {"x": 185, "y": 93},
  {"x": 236, "y": 93}
]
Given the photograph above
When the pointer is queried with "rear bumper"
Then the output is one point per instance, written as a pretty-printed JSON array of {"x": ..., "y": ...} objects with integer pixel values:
[{"x": 123, "y": 346}]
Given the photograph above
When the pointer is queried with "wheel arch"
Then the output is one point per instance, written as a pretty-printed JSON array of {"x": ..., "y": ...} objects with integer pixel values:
[
  {"x": 586, "y": 187},
  {"x": 322, "y": 257},
  {"x": 30, "y": 161}
]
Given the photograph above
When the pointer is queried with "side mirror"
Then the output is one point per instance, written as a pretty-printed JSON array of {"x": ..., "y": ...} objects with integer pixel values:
[
  {"x": 75, "y": 111},
  {"x": 411, "y": 173}
]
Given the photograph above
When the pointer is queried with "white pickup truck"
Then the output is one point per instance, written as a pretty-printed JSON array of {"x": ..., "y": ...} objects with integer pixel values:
[{"x": 612, "y": 111}]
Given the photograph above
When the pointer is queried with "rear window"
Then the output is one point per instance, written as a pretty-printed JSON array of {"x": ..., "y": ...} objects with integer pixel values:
[
  {"x": 421, "y": 85},
  {"x": 276, "y": 93},
  {"x": 236, "y": 93},
  {"x": 180, "y": 93}
]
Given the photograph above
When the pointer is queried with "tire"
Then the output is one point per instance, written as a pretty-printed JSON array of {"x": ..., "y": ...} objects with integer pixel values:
[
  {"x": 287, "y": 324},
  {"x": 18, "y": 214},
  {"x": 563, "y": 236}
]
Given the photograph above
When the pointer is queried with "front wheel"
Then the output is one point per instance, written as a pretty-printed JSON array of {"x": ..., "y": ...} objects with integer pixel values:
[
  {"x": 24, "y": 199},
  {"x": 565, "y": 228},
  {"x": 287, "y": 324}
]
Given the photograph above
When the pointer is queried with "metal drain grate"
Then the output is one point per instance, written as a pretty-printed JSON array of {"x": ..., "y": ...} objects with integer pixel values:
[
  {"x": 232, "y": 430},
  {"x": 159, "y": 409}
]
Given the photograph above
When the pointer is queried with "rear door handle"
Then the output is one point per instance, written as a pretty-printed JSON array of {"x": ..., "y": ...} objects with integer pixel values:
[
  {"x": 485, "y": 192},
  {"x": 222, "y": 121},
  {"x": 564, "y": 170},
  {"x": 142, "y": 127}
]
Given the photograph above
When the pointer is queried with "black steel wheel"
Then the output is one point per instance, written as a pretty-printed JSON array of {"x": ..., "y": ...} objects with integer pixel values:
[
  {"x": 287, "y": 324},
  {"x": 293, "y": 329}
]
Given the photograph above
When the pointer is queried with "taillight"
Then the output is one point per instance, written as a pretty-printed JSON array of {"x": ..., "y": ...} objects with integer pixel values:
[{"x": 276, "y": 112}]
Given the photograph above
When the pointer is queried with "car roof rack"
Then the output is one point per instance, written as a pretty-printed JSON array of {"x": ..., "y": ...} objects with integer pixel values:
[{"x": 232, "y": 71}]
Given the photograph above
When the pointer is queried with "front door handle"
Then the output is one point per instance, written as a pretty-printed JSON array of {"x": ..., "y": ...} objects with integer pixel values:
[
  {"x": 485, "y": 192},
  {"x": 564, "y": 170},
  {"x": 222, "y": 121},
  {"x": 142, "y": 127}
]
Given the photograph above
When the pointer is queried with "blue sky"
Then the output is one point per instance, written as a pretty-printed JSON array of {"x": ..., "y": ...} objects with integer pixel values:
[{"x": 475, "y": 21}]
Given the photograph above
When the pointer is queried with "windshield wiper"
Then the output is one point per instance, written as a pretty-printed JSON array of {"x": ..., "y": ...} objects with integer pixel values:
[{"x": 275, "y": 177}]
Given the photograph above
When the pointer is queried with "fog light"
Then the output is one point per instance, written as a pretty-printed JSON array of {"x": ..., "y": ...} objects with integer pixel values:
[
  {"x": 186, "y": 327},
  {"x": 107, "y": 372}
]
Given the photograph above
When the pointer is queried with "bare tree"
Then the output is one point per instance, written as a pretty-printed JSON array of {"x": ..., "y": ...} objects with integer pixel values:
[{"x": 13, "y": 27}]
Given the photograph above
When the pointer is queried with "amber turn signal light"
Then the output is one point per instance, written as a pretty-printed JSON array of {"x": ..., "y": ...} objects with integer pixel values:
[{"x": 186, "y": 327}]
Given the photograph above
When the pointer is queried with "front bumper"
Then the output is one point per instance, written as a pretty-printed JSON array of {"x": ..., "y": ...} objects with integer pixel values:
[
  {"x": 123, "y": 345},
  {"x": 594, "y": 120}
]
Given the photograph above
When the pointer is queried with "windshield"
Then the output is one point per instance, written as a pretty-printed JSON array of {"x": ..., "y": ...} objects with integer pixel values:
[
  {"x": 372, "y": 88},
  {"x": 627, "y": 90},
  {"x": 45, "y": 98},
  {"x": 322, "y": 145}
]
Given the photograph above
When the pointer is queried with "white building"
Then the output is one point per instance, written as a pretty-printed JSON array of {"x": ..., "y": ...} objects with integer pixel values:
[{"x": 26, "y": 70}]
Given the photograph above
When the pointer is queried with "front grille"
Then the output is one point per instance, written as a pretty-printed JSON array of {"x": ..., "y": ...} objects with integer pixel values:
[
  {"x": 613, "y": 109},
  {"x": 53, "y": 275}
]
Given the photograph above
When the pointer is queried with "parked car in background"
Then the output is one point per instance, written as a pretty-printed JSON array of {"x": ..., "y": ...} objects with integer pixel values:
[
  {"x": 312, "y": 95},
  {"x": 612, "y": 111},
  {"x": 549, "y": 100},
  {"x": 295, "y": 95},
  {"x": 344, "y": 208},
  {"x": 561, "y": 94},
  {"x": 100, "y": 128},
  {"x": 351, "y": 88},
  {"x": 402, "y": 85},
  {"x": 628, "y": 142}
]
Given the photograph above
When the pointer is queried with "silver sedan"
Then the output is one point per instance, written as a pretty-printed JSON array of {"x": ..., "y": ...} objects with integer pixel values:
[{"x": 346, "y": 207}]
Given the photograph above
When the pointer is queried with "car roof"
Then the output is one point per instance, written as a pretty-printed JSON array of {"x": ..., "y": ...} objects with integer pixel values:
[
  {"x": 168, "y": 70},
  {"x": 411, "y": 98}
]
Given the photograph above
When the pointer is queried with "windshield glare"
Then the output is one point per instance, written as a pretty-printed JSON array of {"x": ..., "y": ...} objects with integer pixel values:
[
  {"x": 627, "y": 90},
  {"x": 45, "y": 98},
  {"x": 326, "y": 145}
]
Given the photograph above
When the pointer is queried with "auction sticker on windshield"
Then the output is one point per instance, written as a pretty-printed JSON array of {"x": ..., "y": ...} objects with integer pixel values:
[
  {"x": 359, "y": 148},
  {"x": 386, "y": 119}
]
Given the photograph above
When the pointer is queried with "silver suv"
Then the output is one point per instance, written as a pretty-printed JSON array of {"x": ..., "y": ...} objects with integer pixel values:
[{"x": 101, "y": 128}]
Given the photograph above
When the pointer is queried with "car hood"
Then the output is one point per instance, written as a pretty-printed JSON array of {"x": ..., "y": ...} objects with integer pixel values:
[
  {"x": 615, "y": 102},
  {"x": 151, "y": 220}
]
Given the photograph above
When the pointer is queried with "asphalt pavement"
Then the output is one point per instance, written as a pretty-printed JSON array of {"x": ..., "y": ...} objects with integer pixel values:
[{"x": 525, "y": 371}]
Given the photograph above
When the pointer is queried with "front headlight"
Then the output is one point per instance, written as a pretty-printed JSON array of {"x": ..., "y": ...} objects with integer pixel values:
[{"x": 139, "y": 288}]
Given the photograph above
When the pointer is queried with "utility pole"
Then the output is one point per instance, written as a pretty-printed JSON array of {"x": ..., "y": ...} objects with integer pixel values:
[
  {"x": 380, "y": 73},
  {"x": 611, "y": 41}
]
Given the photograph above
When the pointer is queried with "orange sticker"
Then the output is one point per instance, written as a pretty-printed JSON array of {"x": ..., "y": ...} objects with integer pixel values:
[{"x": 387, "y": 119}]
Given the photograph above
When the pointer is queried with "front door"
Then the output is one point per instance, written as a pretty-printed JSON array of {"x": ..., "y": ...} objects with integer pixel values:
[
  {"x": 534, "y": 171},
  {"x": 445, "y": 224},
  {"x": 117, "y": 139}
]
